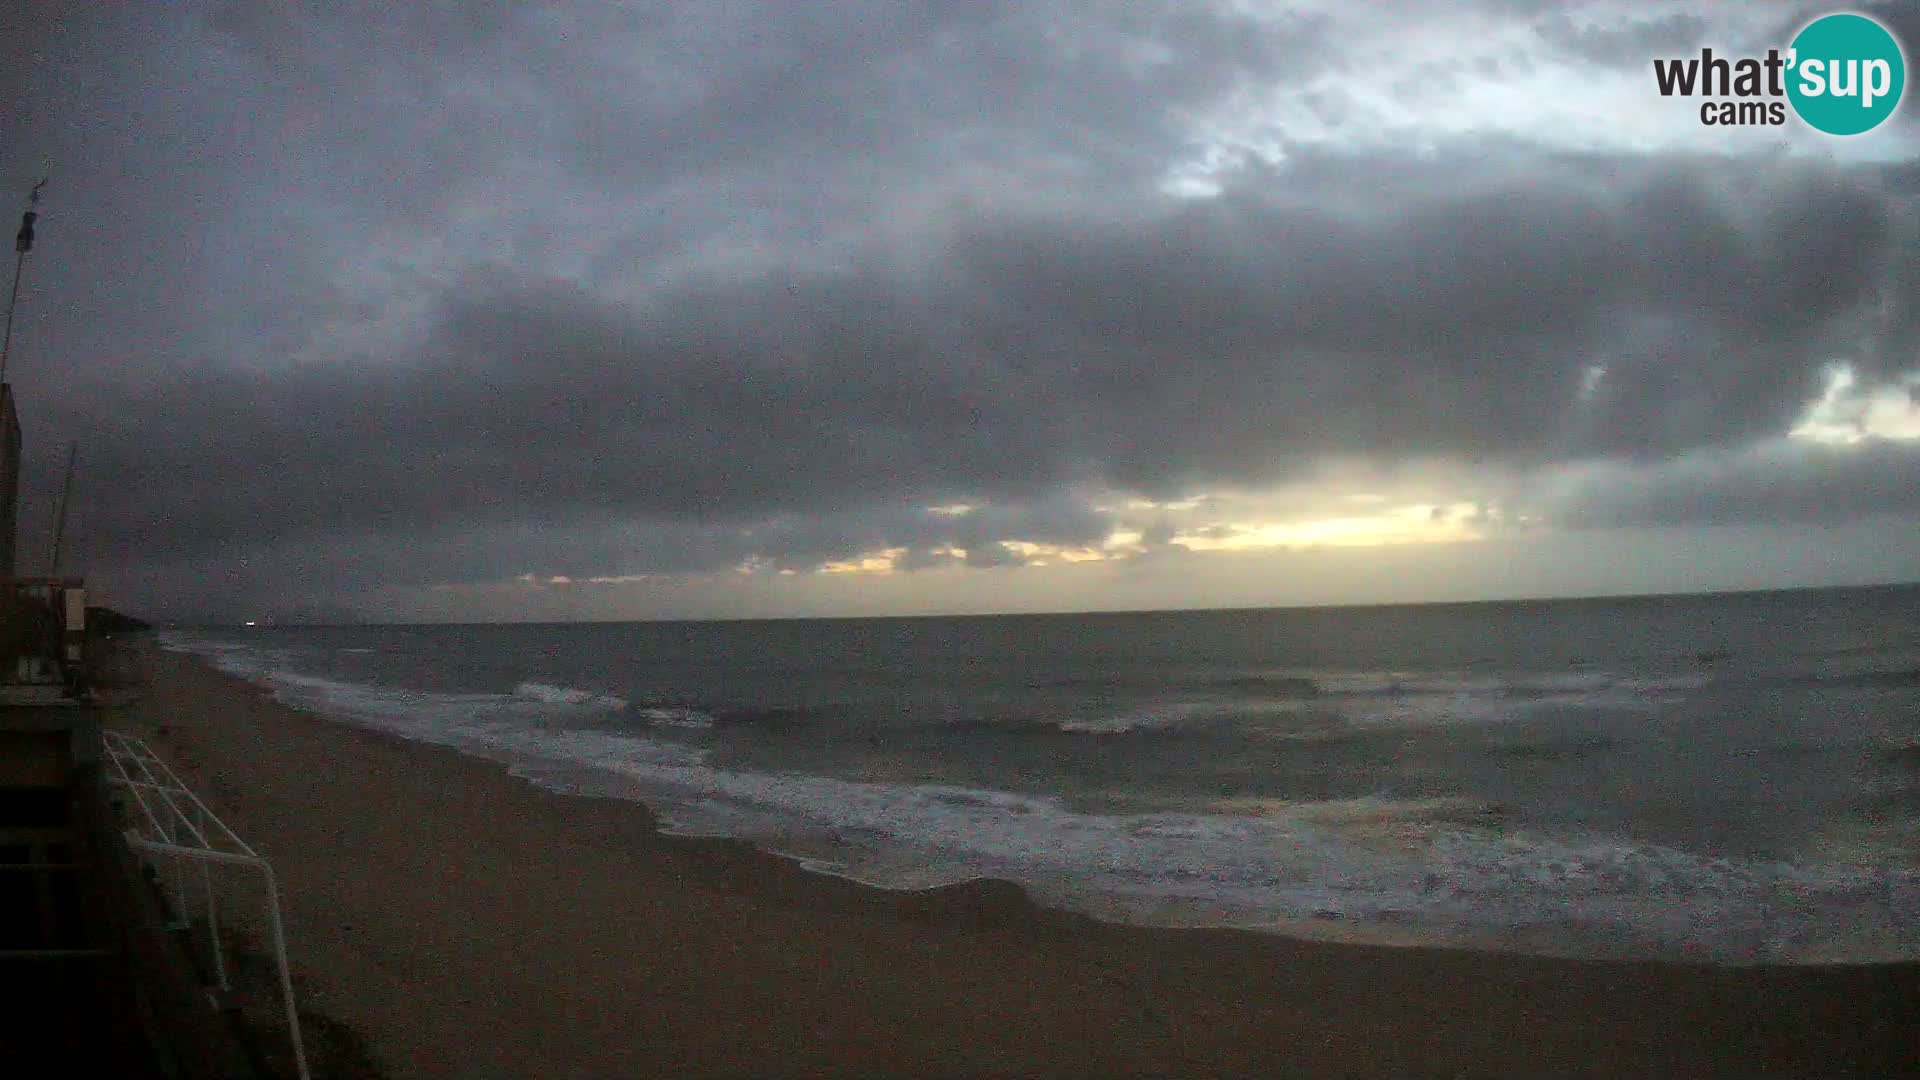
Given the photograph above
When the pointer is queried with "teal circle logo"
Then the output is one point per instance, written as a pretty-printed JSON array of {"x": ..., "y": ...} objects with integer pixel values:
[{"x": 1845, "y": 74}]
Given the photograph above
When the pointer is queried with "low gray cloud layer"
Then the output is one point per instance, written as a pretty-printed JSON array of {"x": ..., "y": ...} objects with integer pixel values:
[
  {"x": 338, "y": 301},
  {"x": 1775, "y": 484}
]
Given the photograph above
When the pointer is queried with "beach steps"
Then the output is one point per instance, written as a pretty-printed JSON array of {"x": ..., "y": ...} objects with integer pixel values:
[{"x": 93, "y": 979}]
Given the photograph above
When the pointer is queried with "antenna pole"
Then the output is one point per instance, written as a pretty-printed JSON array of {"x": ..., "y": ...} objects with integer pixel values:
[
  {"x": 19, "y": 261},
  {"x": 60, "y": 519},
  {"x": 22, "y": 243}
]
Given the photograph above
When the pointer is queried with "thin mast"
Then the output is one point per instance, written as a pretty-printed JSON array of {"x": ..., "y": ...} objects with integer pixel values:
[
  {"x": 22, "y": 243},
  {"x": 60, "y": 519}
]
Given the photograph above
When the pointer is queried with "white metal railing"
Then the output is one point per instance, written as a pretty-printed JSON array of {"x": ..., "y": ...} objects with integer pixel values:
[{"x": 175, "y": 826}]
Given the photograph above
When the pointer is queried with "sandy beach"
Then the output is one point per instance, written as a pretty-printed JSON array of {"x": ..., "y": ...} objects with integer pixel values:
[{"x": 466, "y": 923}]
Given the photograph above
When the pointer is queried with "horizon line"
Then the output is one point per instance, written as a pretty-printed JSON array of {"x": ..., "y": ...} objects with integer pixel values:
[{"x": 267, "y": 623}]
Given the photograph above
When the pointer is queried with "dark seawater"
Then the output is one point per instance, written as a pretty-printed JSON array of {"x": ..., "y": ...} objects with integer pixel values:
[{"x": 1723, "y": 777}]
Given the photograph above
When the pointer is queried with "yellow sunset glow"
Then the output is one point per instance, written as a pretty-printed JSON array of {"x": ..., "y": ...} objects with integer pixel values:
[
  {"x": 879, "y": 562},
  {"x": 1032, "y": 552},
  {"x": 1417, "y": 524}
]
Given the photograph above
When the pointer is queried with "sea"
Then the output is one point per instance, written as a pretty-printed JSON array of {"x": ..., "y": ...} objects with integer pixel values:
[{"x": 1726, "y": 778}]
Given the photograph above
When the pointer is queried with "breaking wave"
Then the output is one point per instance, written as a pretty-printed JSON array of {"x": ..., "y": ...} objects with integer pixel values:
[{"x": 567, "y": 695}]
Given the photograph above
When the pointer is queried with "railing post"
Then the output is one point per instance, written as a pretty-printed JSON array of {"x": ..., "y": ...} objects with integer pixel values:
[
  {"x": 181, "y": 912},
  {"x": 176, "y": 835},
  {"x": 213, "y": 911},
  {"x": 286, "y": 977}
]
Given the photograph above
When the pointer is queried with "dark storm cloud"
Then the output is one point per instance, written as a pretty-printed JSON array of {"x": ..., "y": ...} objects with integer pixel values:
[
  {"x": 339, "y": 298},
  {"x": 1229, "y": 342},
  {"x": 1901, "y": 18},
  {"x": 283, "y": 576}
]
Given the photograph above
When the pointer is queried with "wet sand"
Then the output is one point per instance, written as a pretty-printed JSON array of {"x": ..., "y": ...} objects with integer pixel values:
[{"x": 468, "y": 924}]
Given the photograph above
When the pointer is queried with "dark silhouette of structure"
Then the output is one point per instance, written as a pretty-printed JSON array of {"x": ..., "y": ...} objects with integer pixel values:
[{"x": 9, "y": 478}]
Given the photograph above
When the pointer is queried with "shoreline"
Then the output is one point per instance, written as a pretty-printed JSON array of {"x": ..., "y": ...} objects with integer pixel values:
[
  {"x": 678, "y": 809},
  {"x": 416, "y": 875}
]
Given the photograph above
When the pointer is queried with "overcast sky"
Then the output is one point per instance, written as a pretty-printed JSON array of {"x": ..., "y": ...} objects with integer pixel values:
[{"x": 495, "y": 310}]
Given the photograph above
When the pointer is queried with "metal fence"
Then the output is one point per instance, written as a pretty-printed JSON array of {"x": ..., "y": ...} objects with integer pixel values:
[{"x": 178, "y": 835}]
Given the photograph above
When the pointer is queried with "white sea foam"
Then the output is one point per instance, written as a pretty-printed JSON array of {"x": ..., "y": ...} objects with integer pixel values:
[
  {"x": 1122, "y": 723},
  {"x": 1327, "y": 861},
  {"x": 567, "y": 695},
  {"x": 472, "y": 721},
  {"x": 674, "y": 716},
  {"x": 1388, "y": 699}
]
